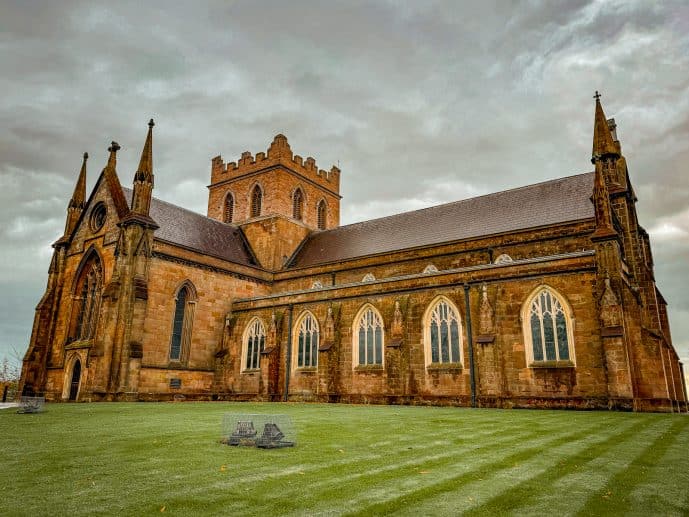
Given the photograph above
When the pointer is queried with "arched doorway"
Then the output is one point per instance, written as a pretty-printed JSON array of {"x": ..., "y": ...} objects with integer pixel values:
[{"x": 76, "y": 376}]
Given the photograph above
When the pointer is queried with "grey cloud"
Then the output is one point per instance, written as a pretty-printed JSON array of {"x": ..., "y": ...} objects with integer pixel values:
[{"x": 419, "y": 103}]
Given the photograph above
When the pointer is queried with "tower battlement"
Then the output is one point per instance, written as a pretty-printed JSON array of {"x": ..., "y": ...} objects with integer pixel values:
[{"x": 279, "y": 153}]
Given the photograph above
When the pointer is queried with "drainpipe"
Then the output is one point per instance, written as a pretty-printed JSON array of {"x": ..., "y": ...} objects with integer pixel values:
[
  {"x": 288, "y": 359},
  {"x": 472, "y": 376},
  {"x": 684, "y": 386}
]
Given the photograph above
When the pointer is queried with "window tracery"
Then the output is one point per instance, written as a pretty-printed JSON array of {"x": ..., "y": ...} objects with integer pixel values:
[
  {"x": 548, "y": 327},
  {"x": 307, "y": 342},
  {"x": 369, "y": 336},
  {"x": 255, "y": 340},
  {"x": 443, "y": 333}
]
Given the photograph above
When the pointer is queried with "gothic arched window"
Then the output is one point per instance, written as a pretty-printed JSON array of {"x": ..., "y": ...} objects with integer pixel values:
[
  {"x": 322, "y": 215},
  {"x": 306, "y": 339},
  {"x": 547, "y": 327},
  {"x": 87, "y": 297},
  {"x": 442, "y": 332},
  {"x": 298, "y": 205},
  {"x": 228, "y": 212},
  {"x": 185, "y": 302},
  {"x": 368, "y": 337},
  {"x": 256, "y": 200},
  {"x": 254, "y": 343}
]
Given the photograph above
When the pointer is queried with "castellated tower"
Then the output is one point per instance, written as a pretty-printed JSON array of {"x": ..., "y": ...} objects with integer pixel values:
[{"x": 277, "y": 198}]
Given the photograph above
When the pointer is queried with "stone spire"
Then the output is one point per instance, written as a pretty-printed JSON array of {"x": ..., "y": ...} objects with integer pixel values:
[
  {"x": 76, "y": 203},
  {"x": 79, "y": 195},
  {"x": 604, "y": 157},
  {"x": 603, "y": 143},
  {"x": 143, "y": 179},
  {"x": 113, "y": 182}
]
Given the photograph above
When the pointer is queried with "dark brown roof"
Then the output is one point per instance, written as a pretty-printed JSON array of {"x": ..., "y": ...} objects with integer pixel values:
[
  {"x": 197, "y": 232},
  {"x": 552, "y": 202}
]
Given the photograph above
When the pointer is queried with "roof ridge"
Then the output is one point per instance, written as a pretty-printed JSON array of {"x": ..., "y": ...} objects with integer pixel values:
[
  {"x": 332, "y": 230},
  {"x": 157, "y": 199}
]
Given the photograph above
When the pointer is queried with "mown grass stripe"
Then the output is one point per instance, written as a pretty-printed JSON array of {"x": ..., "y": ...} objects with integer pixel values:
[
  {"x": 616, "y": 496},
  {"x": 598, "y": 460},
  {"x": 465, "y": 486}
]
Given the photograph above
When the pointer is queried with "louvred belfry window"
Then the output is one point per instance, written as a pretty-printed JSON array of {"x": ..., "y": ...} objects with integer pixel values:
[
  {"x": 228, "y": 213},
  {"x": 256, "y": 200},
  {"x": 321, "y": 215},
  {"x": 298, "y": 205}
]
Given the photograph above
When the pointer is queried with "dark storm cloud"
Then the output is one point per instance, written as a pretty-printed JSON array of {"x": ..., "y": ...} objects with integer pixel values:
[{"x": 418, "y": 103}]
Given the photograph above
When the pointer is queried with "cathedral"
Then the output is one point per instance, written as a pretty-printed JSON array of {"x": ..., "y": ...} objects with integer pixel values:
[{"x": 541, "y": 296}]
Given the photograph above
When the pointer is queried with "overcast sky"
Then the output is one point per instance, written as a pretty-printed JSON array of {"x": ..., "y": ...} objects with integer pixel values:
[{"x": 419, "y": 103}]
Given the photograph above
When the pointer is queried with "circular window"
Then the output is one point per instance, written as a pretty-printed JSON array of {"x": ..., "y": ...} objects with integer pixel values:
[{"x": 98, "y": 216}]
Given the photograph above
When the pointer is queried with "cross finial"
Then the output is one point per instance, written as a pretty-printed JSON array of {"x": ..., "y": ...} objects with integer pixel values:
[{"x": 597, "y": 95}]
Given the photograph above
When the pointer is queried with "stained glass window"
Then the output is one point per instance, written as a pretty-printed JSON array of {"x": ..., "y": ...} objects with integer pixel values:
[
  {"x": 444, "y": 333},
  {"x": 370, "y": 326},
  {"x": 255, "y": 342},
  {"x": 88, "y": 300},
  {"x": 548, "y": 326},
  {"x": 178, "y": 325},
  {"x": 307, "y": 342}
]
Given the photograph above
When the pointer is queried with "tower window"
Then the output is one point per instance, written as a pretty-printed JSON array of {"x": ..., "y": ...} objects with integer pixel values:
[
  {"x": 228, "y": 213},
  {"x": 256, "y": 199},
  {"x": 298, "y": 204},
  {"x": 321, "y": 215}
]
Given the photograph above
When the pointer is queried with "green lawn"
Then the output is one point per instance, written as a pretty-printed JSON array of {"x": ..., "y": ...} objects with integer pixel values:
[{"x": 145, "y": 458}]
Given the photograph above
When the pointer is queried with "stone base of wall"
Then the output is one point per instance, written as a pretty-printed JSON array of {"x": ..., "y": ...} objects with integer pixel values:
[{"x": 656, "y": 405}]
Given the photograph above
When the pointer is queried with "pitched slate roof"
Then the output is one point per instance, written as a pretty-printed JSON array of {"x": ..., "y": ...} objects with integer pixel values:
[
  {"x": 197, "y": 232},
  {"x": 552, "y": 202}
]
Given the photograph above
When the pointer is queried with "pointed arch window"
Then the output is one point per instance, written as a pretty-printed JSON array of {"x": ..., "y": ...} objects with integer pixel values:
[
  {"x": 255, "y": 341},
  {"x": 298, "y": 205},
  {"x": 443, "y": 334},
  {"x": 307, "y": 342},
  {"x": 548, "y": 328},
  {"x": 256, "y": 201},
  {"x": 87, "y": 296},
  {"x": 182, "y": 320},
  {"x": 322, "y": 218},
  {"x": 368, "y": 336},
  {"x": 228, "y": 209}
]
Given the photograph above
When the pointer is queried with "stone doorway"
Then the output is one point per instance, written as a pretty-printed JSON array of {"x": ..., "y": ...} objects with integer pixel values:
[{"x": 76, "y": 377}]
